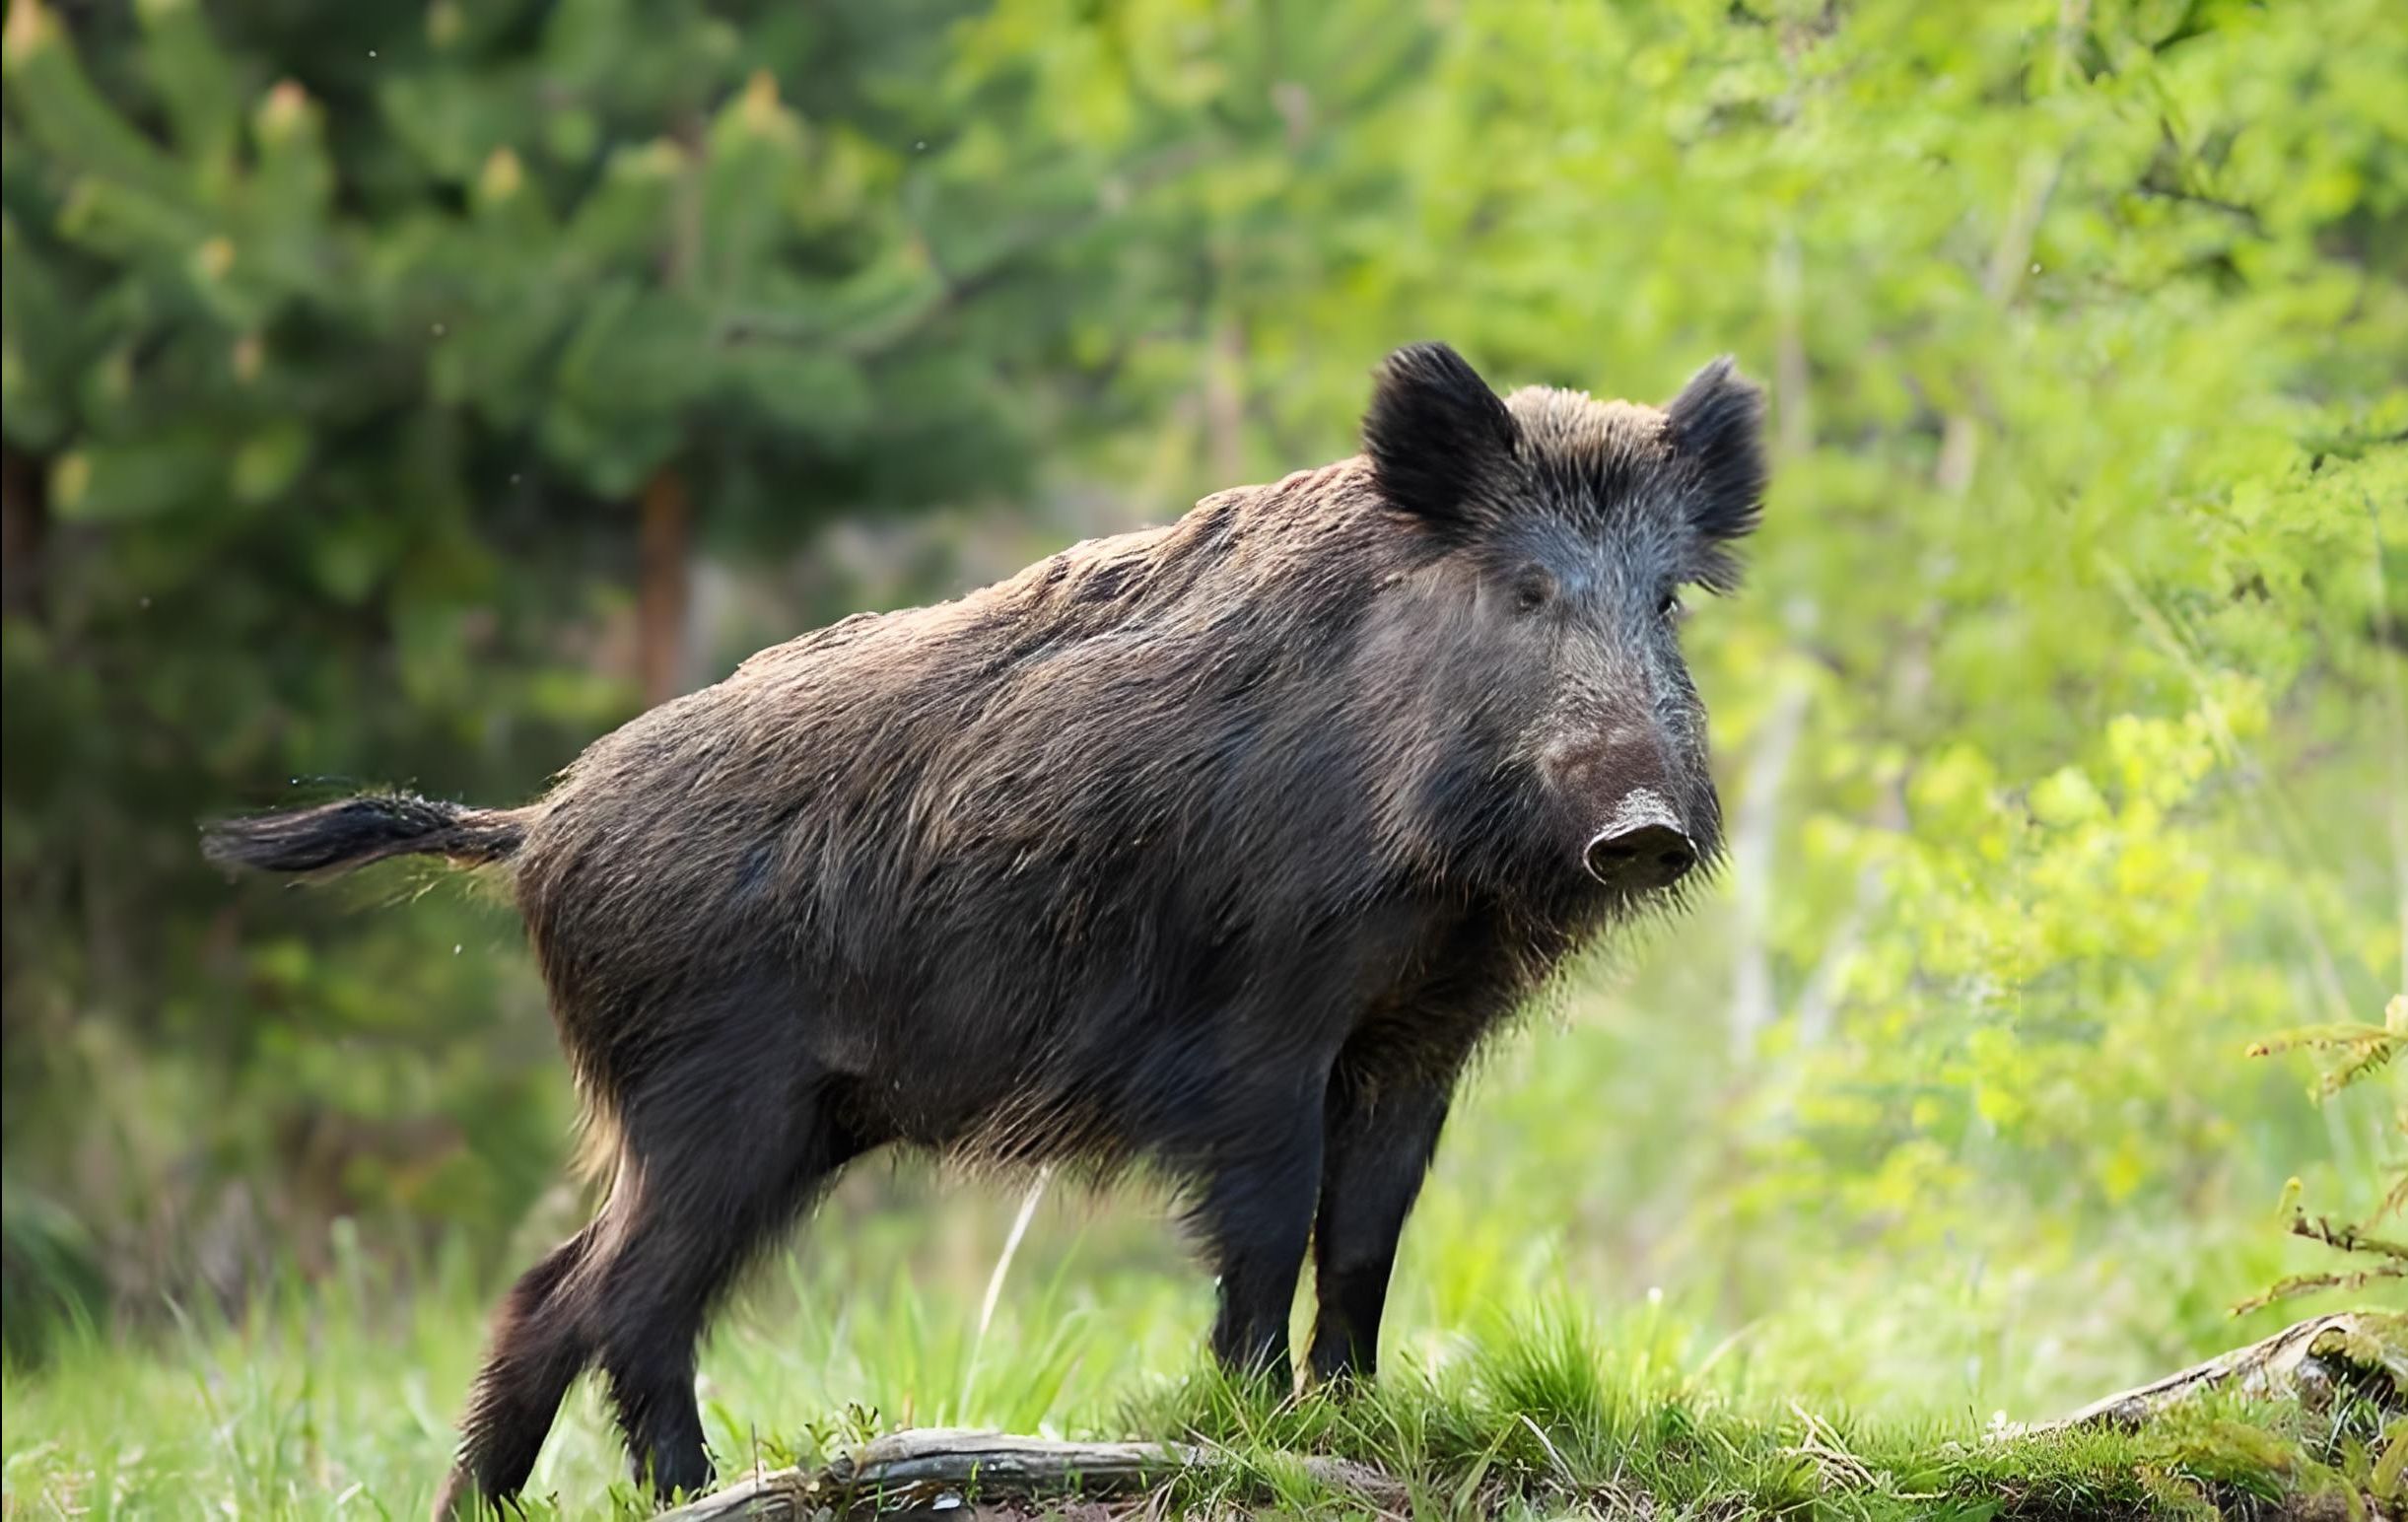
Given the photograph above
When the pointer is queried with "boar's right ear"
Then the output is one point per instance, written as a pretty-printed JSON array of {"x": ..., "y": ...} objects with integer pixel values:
[
  {"x": 1717, "y": 424},
  {"x": 1439, "y": 440}
]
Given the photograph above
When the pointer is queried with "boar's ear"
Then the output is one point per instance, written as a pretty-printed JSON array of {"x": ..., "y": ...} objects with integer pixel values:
[
  {"x": 1439, "y": 440},
  {"x": 1716, "y": 426}
]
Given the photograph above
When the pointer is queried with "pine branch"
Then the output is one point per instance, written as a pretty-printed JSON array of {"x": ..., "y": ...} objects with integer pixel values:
[
  {"x": 2348, "y": 1239},
  {"x": 2297, "y": 1284}
]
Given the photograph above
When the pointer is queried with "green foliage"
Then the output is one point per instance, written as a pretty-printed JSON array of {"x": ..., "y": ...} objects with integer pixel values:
[
  {"x": 2065, "y": 716},
  {"x": 2362, "y": 1052},
  {"x": 334, "y": 352}
]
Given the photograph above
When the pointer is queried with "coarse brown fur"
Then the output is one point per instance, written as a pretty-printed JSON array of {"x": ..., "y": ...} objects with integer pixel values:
[{"x": 1220, "y": 846}]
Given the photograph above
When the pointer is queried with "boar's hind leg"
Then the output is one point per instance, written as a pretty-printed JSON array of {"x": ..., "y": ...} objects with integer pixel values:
[
  {"x": 718, "y": 1162},
  {"x": 539, "y": 1347},
  {"x": 1377, "y": 1151},
  {"x": 1256, "y": 1216}
]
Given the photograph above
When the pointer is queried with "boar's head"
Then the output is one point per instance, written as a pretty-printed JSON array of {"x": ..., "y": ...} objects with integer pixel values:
[{"x": 1534, "y": 651}]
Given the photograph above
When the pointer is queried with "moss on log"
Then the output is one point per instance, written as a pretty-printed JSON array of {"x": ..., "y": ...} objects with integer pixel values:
[{"x": 952, "y": 1473}]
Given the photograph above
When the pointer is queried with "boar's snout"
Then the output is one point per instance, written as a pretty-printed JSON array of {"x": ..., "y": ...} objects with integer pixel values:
[{"x": 1642, "y": 844}]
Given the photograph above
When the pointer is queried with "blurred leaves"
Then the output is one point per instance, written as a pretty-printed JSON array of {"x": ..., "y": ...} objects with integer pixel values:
[
  {"x": 338, "y": 345},
  {"x": 337, "y": 349}
]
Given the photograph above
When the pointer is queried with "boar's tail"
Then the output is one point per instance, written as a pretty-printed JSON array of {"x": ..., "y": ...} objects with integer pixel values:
[{"x": 352, "y": 832}]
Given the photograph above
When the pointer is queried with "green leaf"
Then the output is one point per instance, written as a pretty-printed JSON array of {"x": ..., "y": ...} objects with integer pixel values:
[
  {"x": 117, "y": 482},
  {"x": 196, "y": 80},
  {"x": 267, "y": 463}
]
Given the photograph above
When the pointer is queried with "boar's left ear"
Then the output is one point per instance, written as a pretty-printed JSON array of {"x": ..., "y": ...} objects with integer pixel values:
[
  {"x": 1440, "y": 442},
  {"x": 1716, "y": 426}
]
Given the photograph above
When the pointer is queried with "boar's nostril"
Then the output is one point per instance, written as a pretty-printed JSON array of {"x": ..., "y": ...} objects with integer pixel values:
[
  {"x": 1641, "y": 848},
  {"x": 1653, "y": 856}
]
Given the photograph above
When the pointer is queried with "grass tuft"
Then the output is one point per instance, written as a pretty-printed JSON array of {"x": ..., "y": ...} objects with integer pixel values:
[{"x": 1552, "y": 1419}]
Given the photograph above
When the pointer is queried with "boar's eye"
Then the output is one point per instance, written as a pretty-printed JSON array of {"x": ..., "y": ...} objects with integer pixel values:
[{"x": 1533, "y": 590}]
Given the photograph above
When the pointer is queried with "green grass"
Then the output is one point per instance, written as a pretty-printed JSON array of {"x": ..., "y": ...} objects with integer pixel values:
[
  {"x": 1559, "y": 1417},
  {"x": 336, "y": 1402}
]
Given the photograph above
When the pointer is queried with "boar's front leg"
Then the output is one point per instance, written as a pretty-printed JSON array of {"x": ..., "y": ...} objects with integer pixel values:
[
  {"x": 1261, "y": 1174},
  {"x": 1380, "y": 1141}
]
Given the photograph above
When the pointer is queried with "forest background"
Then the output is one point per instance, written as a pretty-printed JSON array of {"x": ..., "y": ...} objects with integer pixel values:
[{"x": 409, "y": 392}]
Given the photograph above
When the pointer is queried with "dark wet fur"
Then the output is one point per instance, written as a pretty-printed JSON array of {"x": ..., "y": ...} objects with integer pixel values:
[{"x": 1219, "y": 847}]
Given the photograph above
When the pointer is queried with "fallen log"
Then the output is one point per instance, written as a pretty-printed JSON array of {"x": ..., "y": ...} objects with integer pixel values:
[
  {"x": 2310, "y": 1361},
  {"x": 933, "y": 1473}
]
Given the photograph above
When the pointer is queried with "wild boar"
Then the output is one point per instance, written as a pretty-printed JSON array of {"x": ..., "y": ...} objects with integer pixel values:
[{"x": 1220, "y": 847}]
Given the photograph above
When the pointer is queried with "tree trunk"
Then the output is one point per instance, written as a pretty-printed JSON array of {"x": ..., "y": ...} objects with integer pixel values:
[
  {"x": 664, "y": 529},
  {"x": 25, "y": 531}
]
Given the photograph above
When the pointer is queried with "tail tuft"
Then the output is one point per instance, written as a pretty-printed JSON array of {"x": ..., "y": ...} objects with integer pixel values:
[{"x": 352, "y": 832}]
